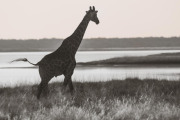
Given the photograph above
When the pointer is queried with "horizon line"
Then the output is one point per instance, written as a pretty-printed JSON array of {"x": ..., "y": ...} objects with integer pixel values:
[{"x": 89, "y": 38}]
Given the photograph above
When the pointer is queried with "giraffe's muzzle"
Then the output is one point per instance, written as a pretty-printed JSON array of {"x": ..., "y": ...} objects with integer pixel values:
[{"x": 97, "y": 22}]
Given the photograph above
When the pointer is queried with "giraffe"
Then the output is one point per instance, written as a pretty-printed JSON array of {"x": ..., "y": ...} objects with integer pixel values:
[{"x": 62, "y": 61}]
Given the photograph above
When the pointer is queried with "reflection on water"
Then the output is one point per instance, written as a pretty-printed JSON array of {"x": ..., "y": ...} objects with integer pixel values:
[{"x": 16, "y": 77}]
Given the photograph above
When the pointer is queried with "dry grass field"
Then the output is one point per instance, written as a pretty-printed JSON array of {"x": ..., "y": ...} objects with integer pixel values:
[{"x": 131, "y": 99}]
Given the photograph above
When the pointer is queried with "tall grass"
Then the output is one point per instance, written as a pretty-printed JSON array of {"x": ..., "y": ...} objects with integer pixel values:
[{"x": 131, "y": 99}]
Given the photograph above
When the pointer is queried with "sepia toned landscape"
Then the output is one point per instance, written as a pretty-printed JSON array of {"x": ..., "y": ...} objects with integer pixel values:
[{"x": 90, "y": 60}]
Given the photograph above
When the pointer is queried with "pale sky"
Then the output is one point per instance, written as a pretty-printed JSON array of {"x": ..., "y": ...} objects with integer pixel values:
[{"x": 25, "y": 19}]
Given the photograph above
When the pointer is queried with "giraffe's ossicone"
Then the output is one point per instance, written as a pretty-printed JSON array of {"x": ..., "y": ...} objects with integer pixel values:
[{"x": 62, "y": 61}]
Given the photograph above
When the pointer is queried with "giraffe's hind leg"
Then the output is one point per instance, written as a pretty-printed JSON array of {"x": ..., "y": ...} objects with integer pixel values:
[
  {"x": 45, "y": 78},
  {"x": 43, "y": 87}
]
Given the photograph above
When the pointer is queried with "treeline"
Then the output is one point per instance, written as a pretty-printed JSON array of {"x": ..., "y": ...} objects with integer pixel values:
[{"x": 91, "y": 44}]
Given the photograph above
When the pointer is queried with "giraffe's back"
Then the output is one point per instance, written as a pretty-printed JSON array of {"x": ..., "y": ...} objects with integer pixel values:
[{"x": 53, "y": 64}]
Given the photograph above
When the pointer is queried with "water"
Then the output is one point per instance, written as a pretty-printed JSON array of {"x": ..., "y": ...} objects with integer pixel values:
[
  {"x": 81, "y": 56},
  {"x": 22, "y": 76}
]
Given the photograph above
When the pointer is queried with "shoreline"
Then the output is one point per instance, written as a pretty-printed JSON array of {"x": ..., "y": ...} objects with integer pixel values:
[
  {"x": 155, "y": 60},
  {"x": 109, "y": 65}
]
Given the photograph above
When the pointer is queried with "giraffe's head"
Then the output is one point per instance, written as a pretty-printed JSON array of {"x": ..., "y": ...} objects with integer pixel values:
[{"x": 92, "y": 13}]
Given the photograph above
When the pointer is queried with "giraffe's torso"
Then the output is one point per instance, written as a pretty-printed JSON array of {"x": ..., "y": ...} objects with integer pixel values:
[{"x": 57, "y": 62}]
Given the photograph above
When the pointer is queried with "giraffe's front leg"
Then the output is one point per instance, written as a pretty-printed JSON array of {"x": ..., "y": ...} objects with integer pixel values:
[
  {"x": 65, "y": 83},
  {"x": 70, "y": 84},
  {"x": 68, "y": 75},
  {"x": 68, "y": 81}
]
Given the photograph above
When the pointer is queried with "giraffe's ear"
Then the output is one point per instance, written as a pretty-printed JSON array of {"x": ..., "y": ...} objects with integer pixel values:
[
  {"x": 90, "y": 8},
  {"x": 86, "y": 11},
  {"x": 96, "y": 11},
  {"x": 93, "y": 8}
]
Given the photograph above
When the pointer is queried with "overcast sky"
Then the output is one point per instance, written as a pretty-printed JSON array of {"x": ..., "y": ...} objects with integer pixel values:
[{"x": 24, "y": 19}]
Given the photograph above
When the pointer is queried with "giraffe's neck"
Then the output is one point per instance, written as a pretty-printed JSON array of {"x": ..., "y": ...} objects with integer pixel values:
[
  {"x": 77, "y": 36},
  {"x": 71, "y": 44}
]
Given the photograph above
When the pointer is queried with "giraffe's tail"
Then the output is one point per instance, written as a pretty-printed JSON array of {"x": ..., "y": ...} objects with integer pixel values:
[{"x": 25, "y": 60}]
